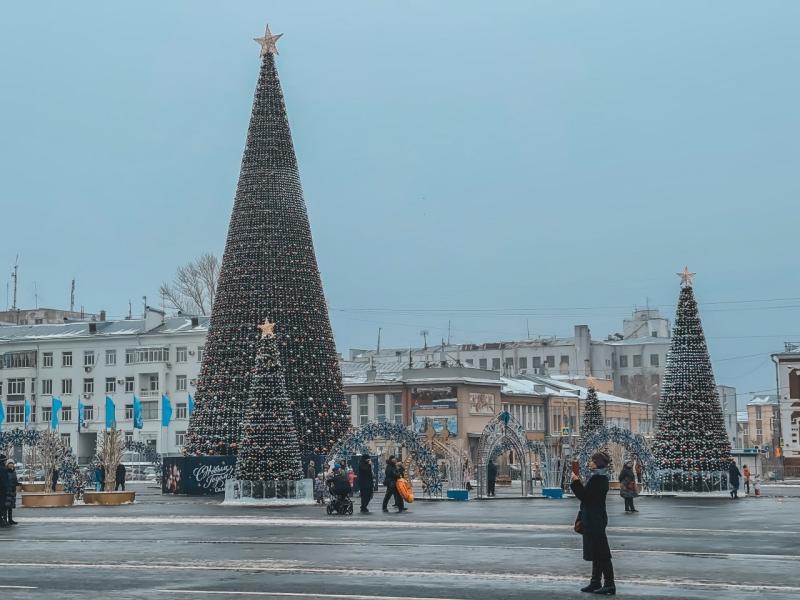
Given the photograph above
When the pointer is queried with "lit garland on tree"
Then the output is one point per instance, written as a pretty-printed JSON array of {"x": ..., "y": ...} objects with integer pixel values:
[
  {"x": 269, "y": 449},
  {"x": 269, "y": 268},
  {"x": 691, "y": 444},
  {"x": 592, "y": 416}
]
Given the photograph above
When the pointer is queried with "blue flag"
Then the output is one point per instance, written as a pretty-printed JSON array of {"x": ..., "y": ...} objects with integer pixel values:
[
  {"x": 166, "y": 410},
  {"x": 191, "y": 405},
  {"x": 2, "y": 414},
  {"x": 27, "y": 412},
  {"x": 56, "y": 408},
  {"x": 80, "y": 415},
  {"x": 138, "y": 421},
  {"x": 111, "y": 414}
]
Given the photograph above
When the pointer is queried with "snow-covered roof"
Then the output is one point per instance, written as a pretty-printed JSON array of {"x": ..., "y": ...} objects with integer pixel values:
[
  {"x": 761, "y": 400},
  {"x": 124, "y": 327},
  {"x": 544, "y": 386},
  {"x": 640, "y": 341}
]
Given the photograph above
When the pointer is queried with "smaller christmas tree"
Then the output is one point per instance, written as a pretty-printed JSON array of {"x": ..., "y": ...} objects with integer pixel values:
[
  {"x": 592, "y": 417},
  {"x": 269, "y": 449}
]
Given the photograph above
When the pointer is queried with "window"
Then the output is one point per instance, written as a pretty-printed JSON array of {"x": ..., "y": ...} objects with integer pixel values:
[
  {"x": 510, "y": 363},
  {"x": 523, "y": 362},
  {"x": 47, "y": 387},
  {"x": 66, "y": 386},
  {"x": 623, "y": 361},
  {"x": 111, "y": 357},
  {"x": 149, "y": 410},
  {"x": 536, "y": 362},
  {"x": 128, "y": 412},
  {"x": 15, "y": 413},
  {"x": 180, "y": 410},
  {"x": 397, "y": 408},
  {"x": 128, "y": 437},
  {"x": 88, "y": 386},
  {"x": 495, "y": 364},
  {"x": 644, "y": 425},
  {"x": 637, "y": 360},
  {"x": 111, "y": 385},
  {"x": 380, "y": 407},
  {"x": 482, "y": 363},
  {"x": 135, "y": 356},
  {"x": 19, "y": 360},
  {"x": 180, "y": 354},
  {"x": 470, "y": 362},
  {"x": 655, "y": 380},
  {"x": 129, "y": 385},
  {"x": 88, "y": 412},
  {"x": 153, "y": 382},
  {"x": 88, "y": 358},
  {"x": 551, "y": 362},
  {"x": 47, "y": 414},
  {"x": 16, "y": 387},
  {"x": 654, "y": 360},
  {"x": 623, "y": 381},
  {"x": 66, "y": 359},
  {"x": 66, "y": 413},
  {"x": 180, "y": 438},
  {"x": 564, "y": 359},
  {"x": 363, "y": 409},
  {"x": 200, "y": 353},
  {"x": 531, "y": 417},
  {"x": 47, "y": 360},
  {"x": 180, "y": 383},
  {"x": 65, "y": 439}
]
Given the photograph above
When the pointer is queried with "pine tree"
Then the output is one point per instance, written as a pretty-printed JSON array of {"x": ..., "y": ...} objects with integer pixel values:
[
  {"x": 691, "y": 444},
  {"x": 268, "y": 269},
  {"x": 592, "y": 417},
  {"x": 269, "y": 449}
]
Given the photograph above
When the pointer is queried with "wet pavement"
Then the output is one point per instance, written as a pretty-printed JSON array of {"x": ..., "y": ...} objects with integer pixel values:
[{"x": 164, "y": 547}]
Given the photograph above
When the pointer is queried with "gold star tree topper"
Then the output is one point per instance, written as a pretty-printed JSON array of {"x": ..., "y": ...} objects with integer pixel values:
[
  {"x": 687, "y": 278},
  {"x": 267, "y": 329},
  {"x": 267, "y": 42}
]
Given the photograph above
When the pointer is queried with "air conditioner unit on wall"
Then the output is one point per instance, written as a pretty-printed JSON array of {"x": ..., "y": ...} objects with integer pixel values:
[
  {"x": 120, "y": 381},
  {"x": 191, "y": 352}
]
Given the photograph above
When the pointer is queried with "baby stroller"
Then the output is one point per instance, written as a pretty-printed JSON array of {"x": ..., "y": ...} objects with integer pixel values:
[{"x": 340, "y": 502}]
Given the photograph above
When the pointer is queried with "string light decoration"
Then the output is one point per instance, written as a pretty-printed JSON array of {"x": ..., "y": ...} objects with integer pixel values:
[
  {"x": 269, "y": 449},
  {"x": 592, "y": 416},
  {"x": 691, "y": 445},
  {"x": 268, "y": 268}
]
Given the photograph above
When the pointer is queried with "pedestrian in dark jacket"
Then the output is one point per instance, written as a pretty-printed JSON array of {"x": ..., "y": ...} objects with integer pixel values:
[
  {"x": 627, "y": 486},
  {"x": 3, "y": 490},
  {"x": 11, "y": 492},
  {"x": 366, "y": 481},
  {"x": 491, "y": 477},
  {"x": 390, "y": 481},
  {"x": 55, "y": 479},
  {"x": 119, "y": 477},
  {"x": 99, "y": 478},
  {"x": 733, "y": 479},
  {"x": 594, "y": 520}
]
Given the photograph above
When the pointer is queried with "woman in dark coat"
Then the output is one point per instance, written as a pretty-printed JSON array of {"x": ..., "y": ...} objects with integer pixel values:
[
  {"x": 366, "y": 481},
  {"x": 594, "y": 520},
  {"x": 11, "y": 491},
  {"x": 733, "y": 479},
  {"x": 627, "y": 486},
  {"x": 3, "y": 490}
]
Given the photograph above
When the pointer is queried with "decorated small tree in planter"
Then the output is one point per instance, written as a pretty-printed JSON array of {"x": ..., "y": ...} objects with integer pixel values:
[
  {"x": 110, "y": 448},
  {"x": 51, "y": 449},
  {"x": 56, "y": 458}
]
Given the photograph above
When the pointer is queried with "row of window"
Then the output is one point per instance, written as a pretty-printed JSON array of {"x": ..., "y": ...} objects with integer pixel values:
[
  {"x": 180, "y": 438},
  {"x": 15, "y": 413},
  {"x": 638, "y": 380},
  {"x": 388, "y": 407},
  {"x": 522, "y": 362},
  {"x": 16, "y": 387},
  {"x": 636, "y": 360},
  {"x": 133, "y": 356},
  {"x": 530, "y": 416}
]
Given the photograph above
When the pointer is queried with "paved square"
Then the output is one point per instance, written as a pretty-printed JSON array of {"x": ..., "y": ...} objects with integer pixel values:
[{"x": 195, "y": 548}]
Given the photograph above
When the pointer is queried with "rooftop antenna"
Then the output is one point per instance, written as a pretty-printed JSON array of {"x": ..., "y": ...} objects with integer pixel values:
[
  {"x": 35, "y": 295},
  {"x": 528, "y": 327},
  {"x": 72, "y": 296},
  {"x": 14, "y": 276},
  {"x": 424, "y": 334},
  {"x": 130, "y": 309},
  {"x": 379, "y": 341},
  {"x": 144, "y": 314},
  {"x": 448, "y": 332}
]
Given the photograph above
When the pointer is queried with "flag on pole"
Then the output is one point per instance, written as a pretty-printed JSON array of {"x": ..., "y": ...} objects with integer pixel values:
[
  {"x": 2, "y": 414},
  {"x": 166, "y": 410},
  {"x": 27, "y": 412},
  {"x": 138, "y": 421},
  {"x": 55, "y": 409},
  {"x": 80, "y": 415},
  {"x": 191, "y": 405},
  {"x": 111, "y": 414}
]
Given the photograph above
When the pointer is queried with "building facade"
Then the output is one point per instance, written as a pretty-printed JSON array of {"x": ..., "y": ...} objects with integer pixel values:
[
  {"x": 727, "y": 398},
  {"x": 88, "y": 361},
  {"x": 787, "y": 376}
]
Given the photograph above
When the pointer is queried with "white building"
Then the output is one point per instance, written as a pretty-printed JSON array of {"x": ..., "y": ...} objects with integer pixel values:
[
  {"x": 727, "y": 398},
  {"x": 787, "y": 372},
  {"x": 89, "y": 361}
]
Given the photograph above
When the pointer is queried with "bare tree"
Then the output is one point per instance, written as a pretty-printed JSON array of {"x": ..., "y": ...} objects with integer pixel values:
[
  {"x": 192, "y": 289},
  {"x": 110, "y": 448}
]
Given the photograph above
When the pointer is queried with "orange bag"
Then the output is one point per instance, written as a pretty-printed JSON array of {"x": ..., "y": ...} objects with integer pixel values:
[{"x": 404, "y": 489}]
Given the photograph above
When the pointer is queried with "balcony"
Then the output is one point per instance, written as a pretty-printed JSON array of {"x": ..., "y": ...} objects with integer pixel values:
[{"x": 148, "y": 394}]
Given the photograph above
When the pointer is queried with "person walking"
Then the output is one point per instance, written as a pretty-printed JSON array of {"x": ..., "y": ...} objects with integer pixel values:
[
  {"x": 733, "y": 479},
  {"x": 491, "y": 477},
  {"x": 3, "y": 491},
  {"x": 390, "y": 481},
  {"x": 99, "y": 476},
  {"x": 119, "y": 477},
  {"x": 746, "y": 473},
  {"x": 366, "y": 481},
  {"x": 11, "y": 492},
  {"x": 593, "y": 520},
  {"x": 311, "y": 471},
  {"x": 55, "y": 479},
  {"x": 627, "y": 486}
]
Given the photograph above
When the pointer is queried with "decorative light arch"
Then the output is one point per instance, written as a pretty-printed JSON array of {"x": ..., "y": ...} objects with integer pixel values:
[
  {"x": 355, "y": 442},
  {"x": 635, "y": 444}
]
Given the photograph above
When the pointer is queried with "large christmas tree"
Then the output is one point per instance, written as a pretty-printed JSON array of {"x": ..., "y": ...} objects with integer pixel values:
[
  {"x": 691, "y": 444},
  {"x": 269, "y": 449},
  {"x": 592, "y": 416},
  {"x": 268, "y": 268}
]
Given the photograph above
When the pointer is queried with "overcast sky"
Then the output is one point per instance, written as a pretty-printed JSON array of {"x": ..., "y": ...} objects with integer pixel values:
[{"x": 502, "y": 165}]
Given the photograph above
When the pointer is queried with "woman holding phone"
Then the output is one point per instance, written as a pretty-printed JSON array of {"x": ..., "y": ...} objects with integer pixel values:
[{"x": 592, "y": 522}]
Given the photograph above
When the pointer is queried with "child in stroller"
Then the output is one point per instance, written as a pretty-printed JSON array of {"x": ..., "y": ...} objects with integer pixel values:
[{"x": 339, "y": 488}]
